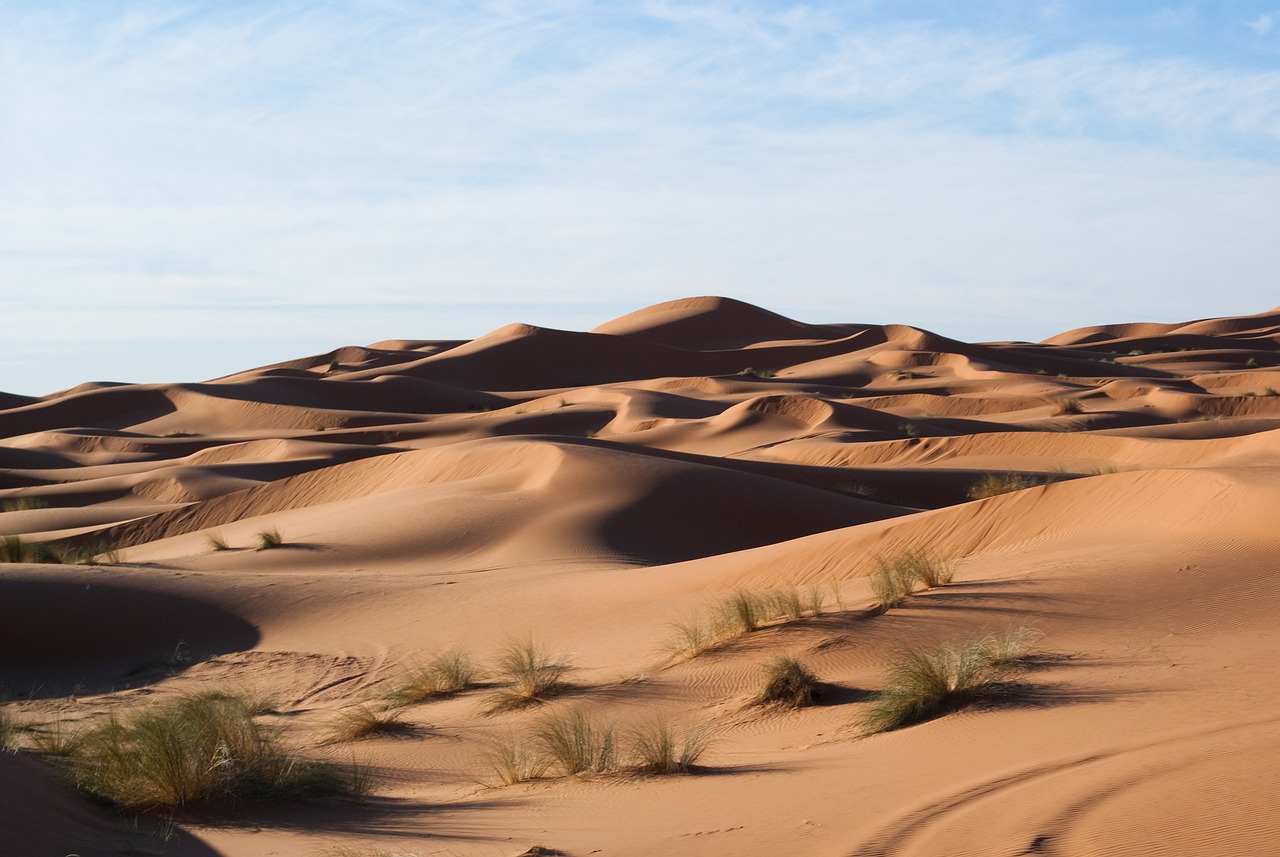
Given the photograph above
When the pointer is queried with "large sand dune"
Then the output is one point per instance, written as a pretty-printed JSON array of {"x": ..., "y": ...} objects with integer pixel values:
[{"x": 587, "y": 491}]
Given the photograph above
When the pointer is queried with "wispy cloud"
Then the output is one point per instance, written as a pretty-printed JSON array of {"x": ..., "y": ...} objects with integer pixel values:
[{"x": 830, "y": 158}]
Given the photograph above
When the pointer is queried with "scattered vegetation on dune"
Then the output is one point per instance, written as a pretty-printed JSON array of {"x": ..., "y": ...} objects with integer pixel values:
[
  {"x": 197, "y": 749},
  {"x": 216, "y": 542},
  {"x": 10, "y": 729},
  {"x": 269, "y": 539},
  {"x": 660, "y": 750},
  {"x": 787, "y": 683},
  {"x": 23, "y": 504},
  {"x": 994, "y": 484},
  {"x": 576, "y": 745},
  {"x": 751, "y": 372},
  {"x": 446, "y": 673},
  {"x": 895, "y": 577},
  {"x": 361, "y": 721},
  {"x": 926, "y": 683},
  {"x": 16, "y": 549},
  {"x": 1067, "y": 407},
  {"x": 740, "y": 614},
  {"x": 530, "y": 675}
]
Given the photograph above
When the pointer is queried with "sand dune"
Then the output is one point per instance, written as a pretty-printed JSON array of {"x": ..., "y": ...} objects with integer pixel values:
[{"x": 1112, "y": 490}]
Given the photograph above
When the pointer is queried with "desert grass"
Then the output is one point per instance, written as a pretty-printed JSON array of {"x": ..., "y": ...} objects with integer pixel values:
[
  {"x": 994, "y": 484},
  {"x": 198, "y": 749},
  {"x": 514, "y": 759},
  {"x": 362, "y": 721},
  {"x": 787, "y": 683},
  {"x": 23, "y": 504},
  {"x": 895, "y": 577},
  {"x": 926, "y": 683},
  {"x": 216, "y": 542},
  {"x": 446, "y": 673},
  {"x": 530, "y": 676},
  {"x": 787, "y": 603},
  {"x": 658, "y": 749},
  {"x": 269, "y": 539},
  {"x": 14, "y": 548},
  {"x": 575, "y": 744},
  {"x": 10, "y": 729},
  {"x": 740, "y": 614},
  {"x": 1067, "y": 407},
  {"x": 57, "y": 739}
]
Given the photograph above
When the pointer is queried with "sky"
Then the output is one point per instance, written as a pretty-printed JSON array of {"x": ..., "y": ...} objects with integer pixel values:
[{"x": 192, "y": 189}]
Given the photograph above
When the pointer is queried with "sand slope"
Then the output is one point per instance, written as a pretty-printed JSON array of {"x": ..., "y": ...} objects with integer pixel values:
[{"x": 588, "y": 490}]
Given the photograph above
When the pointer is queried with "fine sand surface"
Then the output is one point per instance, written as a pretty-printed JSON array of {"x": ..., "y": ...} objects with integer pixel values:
[{"x": 586, "y": 491}]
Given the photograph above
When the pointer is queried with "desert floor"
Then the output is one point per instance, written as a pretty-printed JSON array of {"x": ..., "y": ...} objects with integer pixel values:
[{"x": 588, "y": 493}]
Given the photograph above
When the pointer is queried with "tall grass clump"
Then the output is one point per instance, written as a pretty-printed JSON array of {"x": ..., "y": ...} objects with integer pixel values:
[
  {"x": 514, "y": 760},
  {"x": 269, "y": 539},
  {"x": 575, "y": 744},
  {"x": 926, "y": 683},
  {"x": 1067, "y": 407},
  {"x": 993, "y": 484},
  {"x": 361, "y": 721},
  {"x": 530, "y": 675},
  {"x": 23, "y": 504},
  {"x": 10, "y": 729},
  {"x": 446, "y": 673},
  {"x": 196, "y": 749},
  {"x": 659, "y": 749},
  {"x": 216, "y": 542},
  {"x": 787, "y": 683}
]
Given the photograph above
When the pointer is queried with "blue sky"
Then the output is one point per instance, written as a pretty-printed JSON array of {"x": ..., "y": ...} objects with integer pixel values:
[{"x": 190, "y": 189}]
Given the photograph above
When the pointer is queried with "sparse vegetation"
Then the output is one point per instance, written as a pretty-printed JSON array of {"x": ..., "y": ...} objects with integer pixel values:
[
  {"x": 926, "y": 683},
  {"x": 269, "y": 539},
  {"x": 9, "y": 729},
  {"x": 994, "y": 484},
  {"x": 740, "y": 614},
  {"x": 895, "y": 577},
  {"x": 787, "y": 683},
  {"x": 513, "y": 760},
  {"x": 750, "y": 372},
  {"x": 858, "y": 489},
  {"x": 216, "y": 542},
  {"x": 575, "y": 744},
  {"x": 446, "y": 673},
  {"x": 196, "y": 749},
  {"x": 23, "y": 504},
  {"x": 530, "y": 674},
  {"x": 1067, "y": 407},
  {"x": 904, "y": 375},
  {"x": 15, "y": 549},
  {"x": 658, "y": 749}
]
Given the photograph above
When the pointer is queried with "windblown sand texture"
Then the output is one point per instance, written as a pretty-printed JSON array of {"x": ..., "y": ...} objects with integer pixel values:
[{"x": 586, "y": 491}]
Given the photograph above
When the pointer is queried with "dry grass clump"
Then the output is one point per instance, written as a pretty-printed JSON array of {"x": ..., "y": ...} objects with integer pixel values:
[
  {"x": 575, "y": 744},
  {"x": 15, "y": 549},
  {"x": 530, "y": 675},
  {"x": 787, "y": 683},
  {"x": 993, "y": 484},
  {"x": 658, "y": 749},
  {"x": 895, "y": 577},
  {"x": 23, "y": 504},
  {"x": 514, "y": 760},
  {"x": 269, "y": 539},
  {"x": 926, "y": 683},
  {"x": 1067, "y": 407},
  {"x": 196, "y": 749},
  {"x": 216, "y": 542},
  {"x": 740, "y": 614},
  {"x": 10, "y": 729},
  {"x": 446, "y": 673},
  {"x": 361, "y": 721}
]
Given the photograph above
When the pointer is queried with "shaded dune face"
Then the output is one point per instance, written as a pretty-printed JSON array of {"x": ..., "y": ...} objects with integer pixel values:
[{"x": 313, "y": 531}]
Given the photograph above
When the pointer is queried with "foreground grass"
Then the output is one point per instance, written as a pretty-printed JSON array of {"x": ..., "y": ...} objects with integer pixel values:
[
  {"x": 570, "y": 743},
  {"x": 744, "y": 613},
  {"x": 446, "y": 673},
  {"x": 787, "y": 683},
  {"x": 199, "y": 749},
  {"x": 994, "y": 484},
  {"x": 926, "y": 683},
  {"x": 16, "y": 549}
]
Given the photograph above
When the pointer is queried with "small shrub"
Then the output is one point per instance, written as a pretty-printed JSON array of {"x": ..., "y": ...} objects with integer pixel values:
[
  {"x": 1067, "y": 407},
  {"x": 690, "y": 639},
  {"x": 904, "y": 375},
  {"x": 909, "y": 430},
  {"x": 1251, "y": 363},
  {"x": 23, "y": 504},
  {"x": 891, "y": 583},
  {"x": 815, "y": 600},
  {"x": 196, "y": 749},
  {"x": 742, "y": 613},
  {"x": 57, "y": 740},
  {"x": 926, "y": 683},
  {"x": 10, "y": 729},
  {"x": 1271, "y": 391},
  {"x": 269, "y": 539},
  {"x": 787, "y": 683},
  {"x": 531, "y": 675},
  {"x": 216, "y": 542},
  {"x": 859, "y": 490},
  {"x": 446, "y": 673},
  {"x": 994, "y": 484},
  {"x": 575, "y": 744},
  {"x": 750, "y": 372},
  {"x": 657, "y": 749},
  {"x": 13, "y": 549},
  {"x": 787, "y": 604}
]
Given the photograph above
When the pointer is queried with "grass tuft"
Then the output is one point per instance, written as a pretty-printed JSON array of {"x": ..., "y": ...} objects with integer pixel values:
[
  {"x": 196, "y": 749},
  {"x": 216, "y": 542},
  {"x": 1067, "y": 407},
  {"x": 530, "y": 674},
  {"x": 895, "y": 577},
  {"x": 446, "y": 673},
  {"x": 269, "y": 539},
  {"x": 575, "y": 744},
  {"x": 994, "y": 484},
  {"x": 10, "y": 729},
  {"x": 658, "y": 749},
  {"x": 361, "y": 721},
  {"x": 513, "y": 760},
  {"x": 926, "y": 683},
  {"x": 787, "y": 683}
]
